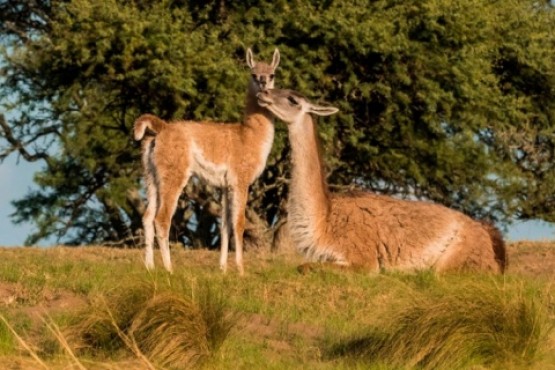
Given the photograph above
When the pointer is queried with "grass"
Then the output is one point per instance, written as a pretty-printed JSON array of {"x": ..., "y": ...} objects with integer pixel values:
[
  {"x": 99, "y": 308},
  {"x": 162, "y": 324},
  {"x": 454, "y": 325}
]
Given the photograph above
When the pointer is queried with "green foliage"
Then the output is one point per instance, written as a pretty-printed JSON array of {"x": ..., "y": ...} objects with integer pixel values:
[{"x": 449, "y": 102}]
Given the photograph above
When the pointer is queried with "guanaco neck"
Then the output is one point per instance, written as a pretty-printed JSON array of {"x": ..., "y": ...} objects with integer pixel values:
[
  {"x": 308, "y": 191},
  {"x": 253, "y": 109}
]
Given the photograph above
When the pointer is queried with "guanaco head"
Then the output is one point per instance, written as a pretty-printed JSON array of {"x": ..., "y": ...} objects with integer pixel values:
[
  {"x": 262, "y": 74},
  {"x": 290, "y": 106}
]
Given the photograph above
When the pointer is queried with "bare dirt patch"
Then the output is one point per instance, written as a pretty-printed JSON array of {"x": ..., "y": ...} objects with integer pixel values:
[
  {"x": 9, "y": 293},
  {"x": 278, "y": 335},
  {"x": 266, "y": 328},
  {"x": 12, "y": 294}
]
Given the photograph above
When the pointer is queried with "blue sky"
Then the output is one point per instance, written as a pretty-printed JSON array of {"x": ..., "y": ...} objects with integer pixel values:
[{"x": 17, "y": 180}]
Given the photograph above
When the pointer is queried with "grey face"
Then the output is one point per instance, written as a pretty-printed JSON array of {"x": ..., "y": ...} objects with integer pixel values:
[
  {"x": 285, "y": 104},
  {"x": 280, "y": 96},
  {"x": 289, "y": 105}
]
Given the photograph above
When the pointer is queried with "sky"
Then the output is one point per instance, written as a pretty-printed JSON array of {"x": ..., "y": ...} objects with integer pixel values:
[{"x": 16, "y": 180}]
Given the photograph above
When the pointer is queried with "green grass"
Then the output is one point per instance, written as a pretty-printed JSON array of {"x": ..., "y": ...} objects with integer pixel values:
[
  {"x": 7, "y": 342},
  {"x": 112, "y": 313},
  {"x": 457, "y": 324}
]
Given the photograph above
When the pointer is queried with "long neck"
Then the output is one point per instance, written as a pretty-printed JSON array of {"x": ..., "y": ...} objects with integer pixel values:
[
  {"x": 257, "y": 132},
  {"x": 308, "y": 192},
  {"x": 251, "y": 104}
]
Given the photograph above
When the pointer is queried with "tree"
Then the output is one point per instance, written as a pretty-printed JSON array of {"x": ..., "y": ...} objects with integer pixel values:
[{"x": 442, "y": 101}]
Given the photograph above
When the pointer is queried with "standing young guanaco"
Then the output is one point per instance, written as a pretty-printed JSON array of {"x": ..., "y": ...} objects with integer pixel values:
[{"x": 230, "y": 156}]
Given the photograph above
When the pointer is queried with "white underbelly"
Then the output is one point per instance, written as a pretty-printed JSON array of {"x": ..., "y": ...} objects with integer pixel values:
[{"x": 213, "y": 173}]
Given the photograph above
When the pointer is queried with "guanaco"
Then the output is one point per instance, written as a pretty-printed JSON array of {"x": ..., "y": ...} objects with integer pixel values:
[
  {"x": 366, "y": 230},
  {"x": 230, "y": 156}
]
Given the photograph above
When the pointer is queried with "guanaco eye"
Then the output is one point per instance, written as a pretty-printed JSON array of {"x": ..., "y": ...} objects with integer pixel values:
[
  {"x": 271, "y": 77},
  {"x": 254, "y": 77},
  {"x": 292, "y": 100}
]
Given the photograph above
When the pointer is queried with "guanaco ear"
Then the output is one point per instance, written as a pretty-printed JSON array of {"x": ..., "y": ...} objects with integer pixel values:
[
  {"x": 323, "y": 111},
  {"x": 275, "y": 59},
  {"x": 250, "y": 59}
]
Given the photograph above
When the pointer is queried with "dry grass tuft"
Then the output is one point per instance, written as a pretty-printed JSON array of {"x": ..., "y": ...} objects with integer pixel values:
[
  {"x": 476, "y": 322},
  {"x": 215, "y": 313},
  {"x": 170, "y": 330},
  {"x": 158, "y": 324},
  {"x": 96, "y": 328}
]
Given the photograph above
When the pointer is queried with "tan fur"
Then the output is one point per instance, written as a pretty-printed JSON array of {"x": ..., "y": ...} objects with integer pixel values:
[
  {"x": 147, "y": 123},
  {"x": 370, "y": 231},
  {"x": 230, "y": 156}
]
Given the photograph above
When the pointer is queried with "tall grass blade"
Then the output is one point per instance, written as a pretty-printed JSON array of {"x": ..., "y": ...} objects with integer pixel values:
[{"x": 453, "y": 327}]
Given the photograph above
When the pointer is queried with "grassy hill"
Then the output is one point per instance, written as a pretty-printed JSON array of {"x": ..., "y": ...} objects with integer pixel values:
[{"x": 98, "y": 308}]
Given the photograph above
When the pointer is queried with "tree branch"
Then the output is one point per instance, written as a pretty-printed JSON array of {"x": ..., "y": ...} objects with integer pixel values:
[{"x": 17, "y": 145}]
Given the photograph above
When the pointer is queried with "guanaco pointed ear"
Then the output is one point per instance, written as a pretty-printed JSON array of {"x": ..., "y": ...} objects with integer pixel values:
[
  {"x": 320, "y": 110},
  {"x": 250, "y": 59},
  {"x": 275, "y": 59}
]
